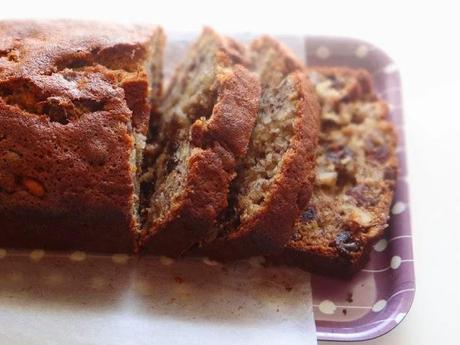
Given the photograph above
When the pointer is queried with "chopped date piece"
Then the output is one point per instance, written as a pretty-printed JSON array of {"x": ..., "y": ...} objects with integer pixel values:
[
  {"x": 346, "y": 244},
  {"x": 363, "y": 195},
  {"x": 308, "y": 215}
]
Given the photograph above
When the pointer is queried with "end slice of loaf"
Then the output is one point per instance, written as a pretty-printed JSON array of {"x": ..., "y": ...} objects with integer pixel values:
[
  {"x": 274, "y": 179},
  {"x": 75, "y": 102},
  {"x": 207, "y": 115},
  {"x": 355, "y": 177}
]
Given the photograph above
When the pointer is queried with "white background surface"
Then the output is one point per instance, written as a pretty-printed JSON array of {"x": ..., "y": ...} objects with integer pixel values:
[{"x": 423, "y": 38}]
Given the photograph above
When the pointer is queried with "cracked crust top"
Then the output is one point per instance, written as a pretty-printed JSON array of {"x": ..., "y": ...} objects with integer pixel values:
[
  {"x": 43, "y": 54},
  {"x": 72, "y": 96}
]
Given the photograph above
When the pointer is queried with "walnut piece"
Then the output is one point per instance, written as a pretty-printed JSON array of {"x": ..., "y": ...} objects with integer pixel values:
[
  {"x": 326, "y": 178},
  {"x": 33, "y": 187}
]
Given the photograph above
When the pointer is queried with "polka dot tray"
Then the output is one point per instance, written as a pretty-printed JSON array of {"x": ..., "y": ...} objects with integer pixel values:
[
  {"x": 378, "y": 298},
  {"x": 372, "y": 303}
]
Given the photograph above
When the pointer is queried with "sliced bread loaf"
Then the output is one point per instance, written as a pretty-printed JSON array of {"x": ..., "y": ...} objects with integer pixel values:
[
  {"x": 75, "y": 101},
  {"x": 274, "y": 179},
  {"x": 207, "y": 115},
  {"x": 355, "y": 177}
]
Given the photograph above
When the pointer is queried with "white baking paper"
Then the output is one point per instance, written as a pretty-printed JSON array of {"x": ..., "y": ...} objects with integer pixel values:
[{"x": 83, "y": 300}]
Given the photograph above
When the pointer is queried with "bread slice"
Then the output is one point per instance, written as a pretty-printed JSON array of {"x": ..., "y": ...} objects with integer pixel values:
[
  {"x": 274, "y": 179},
  {"x": 355, "y": 178},
  {"x": 207, "y": 115},
  {"x": 75, "y": 102}
]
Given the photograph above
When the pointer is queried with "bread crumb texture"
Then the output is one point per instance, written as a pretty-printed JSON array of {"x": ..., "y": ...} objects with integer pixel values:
[{"x": 356, "y": 169}]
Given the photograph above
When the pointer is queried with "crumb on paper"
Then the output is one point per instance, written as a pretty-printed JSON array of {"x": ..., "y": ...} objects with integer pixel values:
[
  {"x": 344, "y": 311},
  {"x": 178, "y": 280}
]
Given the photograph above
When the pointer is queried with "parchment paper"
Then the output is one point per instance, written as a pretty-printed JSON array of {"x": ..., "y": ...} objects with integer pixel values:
[{"x": 80, "y": 299}]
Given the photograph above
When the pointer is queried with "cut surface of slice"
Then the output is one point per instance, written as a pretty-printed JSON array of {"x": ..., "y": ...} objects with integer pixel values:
[
  {"x": 274, "y": 179},
  {"x": 355, "y": 178},
  {"x": 207, "y": 115}
]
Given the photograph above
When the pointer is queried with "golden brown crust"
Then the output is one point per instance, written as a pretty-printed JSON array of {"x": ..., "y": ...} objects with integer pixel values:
[
  {"x": 40, "y": 52},
  {"x": 229, "y": 124},
  {"x": 270, "y": 57},
  {"x": 69, "y": 94},
  {"x": 345, "y": 218},
  {"x": 216, "y": 143}
]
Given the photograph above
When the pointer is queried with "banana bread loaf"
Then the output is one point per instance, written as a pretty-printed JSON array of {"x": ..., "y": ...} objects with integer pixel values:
[
  {"x": 274, "y": 180},
  {"x": 207, "y": 115},
  {"x": 75, "y": 102},
  {"x": 355, "y": 177}
]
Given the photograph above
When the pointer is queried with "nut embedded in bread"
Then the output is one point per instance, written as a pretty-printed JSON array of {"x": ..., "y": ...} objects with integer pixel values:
[
  {"x": 207, "y": 115},
  {"x": 75, "y": 102},
  {"x": 274, "y": 179},
  {"x": 355, "y": 177}
]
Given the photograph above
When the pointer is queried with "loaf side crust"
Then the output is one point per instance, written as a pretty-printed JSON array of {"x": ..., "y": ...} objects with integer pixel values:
[{"x": 72, "y": 97}]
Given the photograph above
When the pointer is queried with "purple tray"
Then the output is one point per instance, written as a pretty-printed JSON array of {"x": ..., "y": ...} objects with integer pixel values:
[{"x": 378, "y": 298}]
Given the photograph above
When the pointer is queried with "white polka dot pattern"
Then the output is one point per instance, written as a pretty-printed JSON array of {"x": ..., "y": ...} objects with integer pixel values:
[
  {"x": 166, "y": 261},
  {"x": 381, "y": 245},
  {"x": 361, "y": 51},
  {"x": 120, "y": 258},
  {"x": 390, "y": 68},
  {"x": 379, "y": 306},
  {"x": 78, "y": 256},
  {"x": 327, "y": 307},
  {"x": 395, "y": 262},
  {"x": 323, "y": 52},
  {"x": 398, "y": 208},
  {"x": 399, "y": 317},
  {"x": 37, "y": 254}
]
